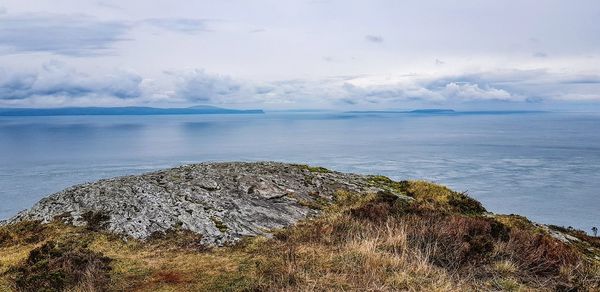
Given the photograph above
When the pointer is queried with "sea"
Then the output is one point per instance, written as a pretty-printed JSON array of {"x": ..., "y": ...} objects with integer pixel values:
[{"x": 544, "y": 165}]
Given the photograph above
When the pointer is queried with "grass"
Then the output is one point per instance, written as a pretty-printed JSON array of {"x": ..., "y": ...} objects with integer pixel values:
[
  {"x": 314, "y": 169},
  {"x": 370, "y": 242}
]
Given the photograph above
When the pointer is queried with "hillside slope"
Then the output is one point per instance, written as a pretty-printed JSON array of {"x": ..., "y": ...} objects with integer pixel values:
[{"x": 273, "y": 226}]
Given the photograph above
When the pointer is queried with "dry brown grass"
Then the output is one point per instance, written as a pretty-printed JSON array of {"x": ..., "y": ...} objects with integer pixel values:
[
  {"x": 371, "y": 242},
  {"x": 348, "y": 256}
]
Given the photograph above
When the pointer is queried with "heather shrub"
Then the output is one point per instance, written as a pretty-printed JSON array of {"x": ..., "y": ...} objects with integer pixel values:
[
  {"x": 61, "y": 266},
  {"x": 539, "y": 254},
  {"x": 455, "y": 240},
  {"x": 25, "y": 232}
]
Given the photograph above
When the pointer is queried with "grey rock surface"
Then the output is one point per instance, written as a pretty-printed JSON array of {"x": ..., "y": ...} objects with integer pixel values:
[{"x": 221, "y": 201}]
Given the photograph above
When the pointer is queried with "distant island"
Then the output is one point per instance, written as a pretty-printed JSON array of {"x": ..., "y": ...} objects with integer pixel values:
[
  {"x": 436, "y": 111},
  {"x": 120, "y": 111}
]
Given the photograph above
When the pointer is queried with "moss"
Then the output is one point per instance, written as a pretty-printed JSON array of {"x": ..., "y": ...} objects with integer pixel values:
[
  {"x": 388, "y": 184},
  {"x": 219, "y": 224},
  {"x": 430, "y": 197},
  {"x": 315, "y": 204},
  {"x": 314, "y": 169},
  {"x": 515, "y": 221}
]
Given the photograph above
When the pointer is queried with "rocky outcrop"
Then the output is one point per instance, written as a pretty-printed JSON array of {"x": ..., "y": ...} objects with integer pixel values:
[{"x": 221, "y": 201}]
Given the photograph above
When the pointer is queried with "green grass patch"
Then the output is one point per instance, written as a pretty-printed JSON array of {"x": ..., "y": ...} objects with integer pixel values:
[{"x": 315, "y": 169}]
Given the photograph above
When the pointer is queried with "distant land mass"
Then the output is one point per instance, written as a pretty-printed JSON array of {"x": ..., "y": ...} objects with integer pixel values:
[
  {"x": 130, "y": 110},
  {"x": 444, "y": 112},
  {"x": 417, "y": 111}
]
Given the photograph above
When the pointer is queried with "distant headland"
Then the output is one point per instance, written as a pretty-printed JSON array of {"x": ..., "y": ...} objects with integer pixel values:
[{"x": 120, "y": 111}]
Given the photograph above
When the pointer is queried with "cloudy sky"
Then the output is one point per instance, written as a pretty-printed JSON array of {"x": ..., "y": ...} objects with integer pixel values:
[{"x": 396, "y": 54}]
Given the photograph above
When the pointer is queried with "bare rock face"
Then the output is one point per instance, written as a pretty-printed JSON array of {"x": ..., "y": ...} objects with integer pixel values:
[{"x": 221, "y": 201}]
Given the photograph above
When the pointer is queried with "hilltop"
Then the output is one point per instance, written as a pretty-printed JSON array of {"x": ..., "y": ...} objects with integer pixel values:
[{"x": 273, "y": 226}]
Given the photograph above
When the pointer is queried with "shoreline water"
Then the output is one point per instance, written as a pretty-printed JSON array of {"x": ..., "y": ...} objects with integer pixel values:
[{"x": 538, "y": 165}]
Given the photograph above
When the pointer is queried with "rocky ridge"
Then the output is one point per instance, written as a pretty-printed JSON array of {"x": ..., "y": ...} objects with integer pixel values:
[{"x": 223, "y": 202}]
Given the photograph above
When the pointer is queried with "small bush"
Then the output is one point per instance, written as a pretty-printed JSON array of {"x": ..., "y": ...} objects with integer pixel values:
[
  {"x": 464, "y": 204},
  {"x": 58, "y": 267},
  {"x": 539, "y": 254},
  {"x": 455, "y": 240},
  {"x": 377, "y": 209},
  {"x": 26, "y": 232},
  {"x": 5, "y": 238}
]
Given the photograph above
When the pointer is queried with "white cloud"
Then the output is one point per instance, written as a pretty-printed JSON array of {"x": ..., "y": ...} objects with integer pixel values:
[
  {"x": 469, "y": 91},
  {"x": 198, "y": 86}
]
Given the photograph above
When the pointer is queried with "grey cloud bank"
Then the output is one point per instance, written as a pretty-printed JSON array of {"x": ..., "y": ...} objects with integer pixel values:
[
  {"x": 68, "y": 35},
  {"x": 55, "y": 84},
  {"x": 511, "y": 54}
]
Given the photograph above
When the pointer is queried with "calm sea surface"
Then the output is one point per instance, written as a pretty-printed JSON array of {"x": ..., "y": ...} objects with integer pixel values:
[{"x": 542, "y": 165}]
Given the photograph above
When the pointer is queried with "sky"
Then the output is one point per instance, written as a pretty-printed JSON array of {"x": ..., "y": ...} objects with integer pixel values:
[{"x": 312, "y": 54}]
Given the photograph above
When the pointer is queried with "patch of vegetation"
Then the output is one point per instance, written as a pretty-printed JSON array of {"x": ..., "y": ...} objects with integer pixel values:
[
  {"x": 430, "y": 197},
  {"x": 515, "y": 221},
  {"x": 95, "y": 221},
  {"x": 5, "y": 238},
  {"x": 360, "y": 242},
  {"x": 62, "y": 266},
  {"x": 219, "y": 224},
  {"x": 589, "y": 245},
  {"x": 26, "y": 232},
  {"x": 388, "y": 184},
  {"x": 315, "y": 169},
  {"x": 177, "y": 239},
  {"x": 317, "y": 203}
]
